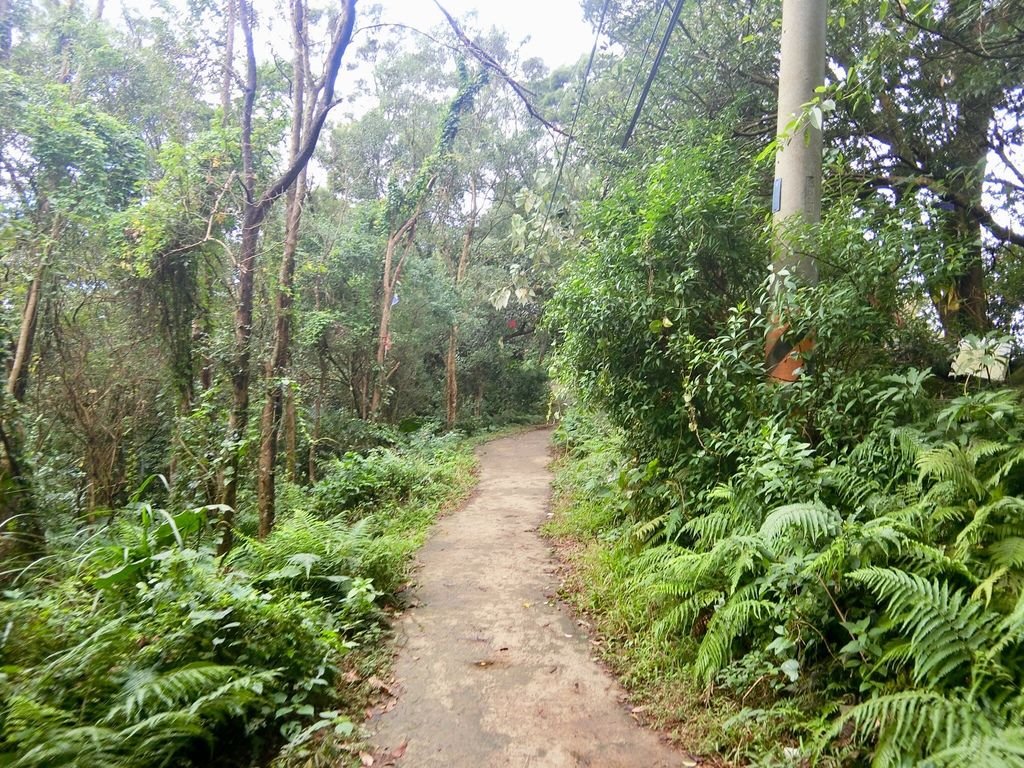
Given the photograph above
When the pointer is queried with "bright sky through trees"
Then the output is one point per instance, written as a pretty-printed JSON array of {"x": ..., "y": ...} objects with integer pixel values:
[{"x": 556, "y": 28}]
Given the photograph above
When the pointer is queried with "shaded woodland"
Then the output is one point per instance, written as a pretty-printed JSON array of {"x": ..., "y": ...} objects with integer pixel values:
[{"x": 264, "y": 271}]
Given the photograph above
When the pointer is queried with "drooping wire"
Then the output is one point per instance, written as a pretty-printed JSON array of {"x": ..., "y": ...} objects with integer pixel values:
[
  {"x": 576, "y": 114},
  {"x": 647, "y": 50},
  {"x": 654, "y": 71}
]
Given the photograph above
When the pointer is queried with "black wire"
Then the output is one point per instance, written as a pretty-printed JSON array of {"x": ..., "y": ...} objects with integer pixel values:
[
  {"x": 576, "y": 114},
  {"x": 647, "y": 50},
  {"x": 654, "y": 71}
]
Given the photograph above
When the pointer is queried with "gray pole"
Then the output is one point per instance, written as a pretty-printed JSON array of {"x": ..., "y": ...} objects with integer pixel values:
[
  {"x": 797, "y": 195},
  {"x": 796, "y": 198}
]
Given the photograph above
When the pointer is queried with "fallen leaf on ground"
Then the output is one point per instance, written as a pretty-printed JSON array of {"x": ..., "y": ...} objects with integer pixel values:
[
  {"x": 366, "y": 758},
  {"x": 375, "y": 682},
  {"x": 399, "y": 750}
]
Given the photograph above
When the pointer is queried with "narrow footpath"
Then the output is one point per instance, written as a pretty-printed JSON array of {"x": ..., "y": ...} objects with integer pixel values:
[{"x": 491, "y": 671}]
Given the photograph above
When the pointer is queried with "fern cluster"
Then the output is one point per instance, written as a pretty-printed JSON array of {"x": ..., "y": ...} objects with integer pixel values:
[{"x": 886, "y": 596}]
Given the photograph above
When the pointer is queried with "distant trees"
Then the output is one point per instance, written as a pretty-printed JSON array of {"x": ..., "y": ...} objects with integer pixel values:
[{"x": 151, "y": 285}]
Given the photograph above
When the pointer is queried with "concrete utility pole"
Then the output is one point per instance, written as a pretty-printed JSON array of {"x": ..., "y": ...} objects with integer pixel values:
[{"x": 796, "y": 197}]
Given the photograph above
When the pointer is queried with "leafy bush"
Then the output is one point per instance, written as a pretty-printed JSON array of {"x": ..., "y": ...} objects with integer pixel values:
[
  {"x": 142, "y": 647},
  {"x": 356, "y": 481},
  {"x": 839, "y": 558},
  {"x": 163, "y": 668}
]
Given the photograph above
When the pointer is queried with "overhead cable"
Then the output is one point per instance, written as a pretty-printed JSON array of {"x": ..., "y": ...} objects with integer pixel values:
[
  {"x": 576, "y": 114},
  {"x": 647, "y": 50},
  {"x": 654, "y": 71}
]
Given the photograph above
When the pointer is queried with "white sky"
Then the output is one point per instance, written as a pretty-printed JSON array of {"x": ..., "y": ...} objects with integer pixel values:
[{"x": 558, "y": 34}]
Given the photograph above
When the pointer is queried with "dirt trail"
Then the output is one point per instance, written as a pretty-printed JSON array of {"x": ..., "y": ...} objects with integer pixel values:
[{"x": 492, "y": 673}]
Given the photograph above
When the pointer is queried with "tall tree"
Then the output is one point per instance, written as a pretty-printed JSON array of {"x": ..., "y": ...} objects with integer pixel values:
[
  {"x": 257, "y": 204},
  {"x": 305, "y": 91}
]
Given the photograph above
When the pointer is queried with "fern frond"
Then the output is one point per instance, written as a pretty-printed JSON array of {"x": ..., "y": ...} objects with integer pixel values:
[
  {"x": 811, "y": 521},
  {"x": 1010, "y": 630},
  {"x": 950, "y": 464},
  {"x": 945, "y": 629},
  {"x": 645, "y": 531},
  {"x": 707, "y": 530},
  {"x": 911, "y": 723},
  {"x": 978, "y": 450},
  {"x": 1011, "y": 459},
  {"x": 159, "y": 735},
  {"x": 1007, "y": 551},
  {"x": 852, "y": 488},
  {"x": 82, "y": 747},
  {"x": 830, "y": 561},
  {"x": 927, "y": 560},
  {"x": 977, "y": 531},
  {"x": 681, "y": 617},
  {"x": 1002, "y": 749},
  {"x": 147, "y": 691},
  {"x": 727, "y": 624},
  {"x": 723, "y": 564}
]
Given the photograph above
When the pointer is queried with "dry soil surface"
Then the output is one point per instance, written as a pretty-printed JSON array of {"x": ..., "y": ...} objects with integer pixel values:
[{"x": 491, "y": 671}]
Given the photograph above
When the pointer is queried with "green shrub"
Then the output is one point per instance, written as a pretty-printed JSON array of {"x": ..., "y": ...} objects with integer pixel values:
[
  {"x": 141, "y": 647},
  {"x": 841, "y": 557},
  {"x": 355, "y": 482}
]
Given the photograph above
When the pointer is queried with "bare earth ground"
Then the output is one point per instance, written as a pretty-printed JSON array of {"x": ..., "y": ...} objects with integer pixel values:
[{"x": 491, "y": 672}]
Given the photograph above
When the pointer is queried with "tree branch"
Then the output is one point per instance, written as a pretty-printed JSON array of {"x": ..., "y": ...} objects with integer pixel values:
[
  {"x": 488, "y": 61},
  {"x": 325, "y": 102},
  {"x": 978, "y": 212}
]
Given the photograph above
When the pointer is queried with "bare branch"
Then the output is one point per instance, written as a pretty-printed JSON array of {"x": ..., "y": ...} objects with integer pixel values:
[
  {"x": 488, "y": 61},
  {"x": 326, "y": 100}
]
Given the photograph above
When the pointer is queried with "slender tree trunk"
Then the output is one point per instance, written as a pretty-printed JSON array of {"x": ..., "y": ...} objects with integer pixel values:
[
  {"x": 229, "y": 59},
  {"x": 17, "y": 378},
  {"x": 451, "y": 373},
  {"x": 289, "y": 427},
  {"x": 21, "y": 531},
  {"x": 451, "y": 381},
  {"x": 318, "y": 404},
  {"x": 277, "y": 365},
  {"x": 392, "y": 271},
  {"x": 256, "y": 209},
  {"x": 966, "y": 308},
  {"x": 238, "y": 419}
]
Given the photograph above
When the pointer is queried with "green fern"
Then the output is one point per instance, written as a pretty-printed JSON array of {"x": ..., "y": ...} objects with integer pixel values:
[
  {"x": 1002, "y": 749},
  {"x": 1006, "y": 551},
  {"x": 727, "y": 624},
  {"x": 707, "y": 530},
  {"x": 682, "y": 617},
  {"x": 917, "y": 724},
  {"x": 950, "y": 467},
  {"x": 946, "y": 629},
  {"x": 155, "y": 716},
  {"x": 810, "y": 521},
  {"x": 202, "y": 687}
]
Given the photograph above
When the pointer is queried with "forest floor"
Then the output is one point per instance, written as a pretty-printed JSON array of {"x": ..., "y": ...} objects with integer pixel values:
[{"x": 492, "y": 672}]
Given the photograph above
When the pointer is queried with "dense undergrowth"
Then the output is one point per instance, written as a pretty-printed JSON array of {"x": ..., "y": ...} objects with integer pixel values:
[
  {"x": 134, "y": 644},
  {"x": 834, "y": 566}
]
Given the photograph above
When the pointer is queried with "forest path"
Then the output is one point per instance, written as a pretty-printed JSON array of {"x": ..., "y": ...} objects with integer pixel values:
[{"x": 492, "y": 672}]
